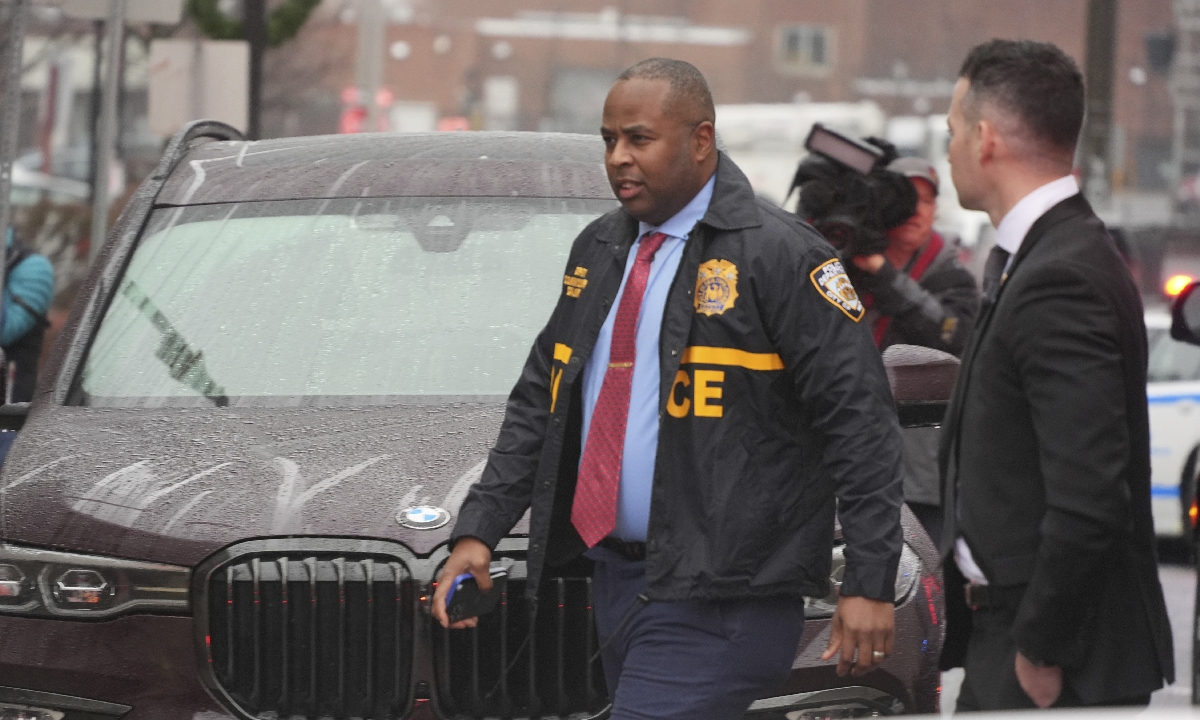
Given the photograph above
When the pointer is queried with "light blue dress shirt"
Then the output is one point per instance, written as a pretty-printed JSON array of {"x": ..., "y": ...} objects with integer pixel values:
[{"x": 641, "y": 428}]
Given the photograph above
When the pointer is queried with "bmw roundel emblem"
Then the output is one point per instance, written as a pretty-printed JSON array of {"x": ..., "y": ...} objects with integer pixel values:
[{"x": 423, "y": 517}]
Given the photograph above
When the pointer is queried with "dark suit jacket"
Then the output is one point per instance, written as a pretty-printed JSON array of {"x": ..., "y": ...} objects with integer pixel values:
[{"x": 1048, "y": 437}]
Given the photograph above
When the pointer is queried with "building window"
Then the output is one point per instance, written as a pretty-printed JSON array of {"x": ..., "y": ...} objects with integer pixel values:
[{"x": 804, "y": 49}]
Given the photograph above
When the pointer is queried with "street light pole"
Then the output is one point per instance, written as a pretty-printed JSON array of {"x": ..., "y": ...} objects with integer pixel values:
[
  {"x": 10, "y": 111},
  {"x": 1099, "y": 68},
  {"x": 107, "y": 127}
]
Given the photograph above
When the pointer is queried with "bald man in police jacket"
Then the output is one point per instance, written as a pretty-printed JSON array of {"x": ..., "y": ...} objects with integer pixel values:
[{"x": 757, "y": 396}]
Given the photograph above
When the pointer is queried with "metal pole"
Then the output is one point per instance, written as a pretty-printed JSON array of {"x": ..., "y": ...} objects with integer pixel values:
[
  {"x": 94, "y": 107},
  {"x": 254, "y": 21},
  {"x": 108, "y": 126},
  {"x": 10, "y": 112},
  {"x": 119, "y": 114},
  {"x": 1185, "y": 101},
  {"x": 372, "y": 28},
  {"x": 1100, "y": 63}
]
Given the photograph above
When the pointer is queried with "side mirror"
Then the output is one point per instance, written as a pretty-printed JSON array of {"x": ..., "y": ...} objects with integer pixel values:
[{"x": 1185, "y": 315}]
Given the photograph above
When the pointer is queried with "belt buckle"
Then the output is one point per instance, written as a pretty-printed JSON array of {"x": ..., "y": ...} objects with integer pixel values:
[{"x": 630, "y": 550}]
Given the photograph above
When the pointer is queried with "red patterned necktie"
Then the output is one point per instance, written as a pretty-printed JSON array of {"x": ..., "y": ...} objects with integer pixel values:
[{"x": 594, "y": 512}]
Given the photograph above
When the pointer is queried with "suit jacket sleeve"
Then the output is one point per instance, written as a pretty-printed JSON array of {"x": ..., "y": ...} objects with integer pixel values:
[
  {"x": 841, "y": 384},
  {"x": 1067, "y": 352},
  {"x": 505, "y": 489}
]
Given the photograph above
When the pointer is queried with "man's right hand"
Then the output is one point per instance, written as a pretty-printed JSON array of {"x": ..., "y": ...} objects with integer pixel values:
[{"x": 469, "y": 555}]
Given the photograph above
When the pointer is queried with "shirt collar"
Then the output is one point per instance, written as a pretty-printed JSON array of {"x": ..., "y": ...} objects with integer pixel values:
[
  {"x": 682, "y": 222},
  {"x": 1015, "y": 225}
]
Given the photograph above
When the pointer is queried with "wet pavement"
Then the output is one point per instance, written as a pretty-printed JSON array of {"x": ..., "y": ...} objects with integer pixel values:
[{"x": 1179, "y": 587}]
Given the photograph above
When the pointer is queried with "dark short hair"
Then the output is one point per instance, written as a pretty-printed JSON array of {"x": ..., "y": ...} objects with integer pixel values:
[
  {"x": 1035, "y": 81},
  {"x": 688, "y": 86}
]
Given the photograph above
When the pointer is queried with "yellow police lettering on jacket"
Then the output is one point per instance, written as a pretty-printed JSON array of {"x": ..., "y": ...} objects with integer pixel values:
[
  {"x": 679, "y": 408},
  {"x": 701, "y": 391},
  {"x": 832, "y": 282},
  {"x": 708, "y": 390},
  {"x": 576, "y": 282},
  {"x": 716, "y": 287},
  {"x": 562, "y": 354}
]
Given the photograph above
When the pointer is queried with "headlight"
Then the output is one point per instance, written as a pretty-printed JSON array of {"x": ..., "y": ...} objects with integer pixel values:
[
  {"x": 47, "y": 583},
  {"x": 906, "y": 578}
]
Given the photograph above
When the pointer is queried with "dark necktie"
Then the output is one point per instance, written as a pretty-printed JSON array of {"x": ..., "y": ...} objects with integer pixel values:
[
  {"x": 993, "y": 271},
  {"x": 594, "y": 511}
]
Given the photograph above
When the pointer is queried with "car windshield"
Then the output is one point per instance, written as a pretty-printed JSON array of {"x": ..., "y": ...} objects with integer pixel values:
[
  {"x": 331, "y": 301},
  {"x": 1171, "y": 360}
]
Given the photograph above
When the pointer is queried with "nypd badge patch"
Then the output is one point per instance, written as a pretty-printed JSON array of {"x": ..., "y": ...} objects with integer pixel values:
[
  {"x": 716, "y": 287},
  {"x": 830, "y": 279}
]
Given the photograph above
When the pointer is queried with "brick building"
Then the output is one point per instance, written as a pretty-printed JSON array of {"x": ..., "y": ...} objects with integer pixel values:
[{"x": 546, "y": 64}]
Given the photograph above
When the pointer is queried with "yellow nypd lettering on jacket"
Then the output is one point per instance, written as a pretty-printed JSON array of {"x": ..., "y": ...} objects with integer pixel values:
[
  {"x": 562, "y": 356},
  {"x": 575, "y": 282}
]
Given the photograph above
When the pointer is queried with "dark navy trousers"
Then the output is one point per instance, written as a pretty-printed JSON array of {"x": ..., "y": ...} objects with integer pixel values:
[{"x": 691, "y": 659}]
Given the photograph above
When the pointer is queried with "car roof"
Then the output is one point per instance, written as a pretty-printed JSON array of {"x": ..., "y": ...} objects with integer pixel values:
[{"x": 450, "y": 164}]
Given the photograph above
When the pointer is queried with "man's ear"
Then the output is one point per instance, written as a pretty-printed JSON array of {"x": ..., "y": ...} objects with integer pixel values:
[
  {"x": 989, "y": 141},
  {"x": 704, "y": 143}
]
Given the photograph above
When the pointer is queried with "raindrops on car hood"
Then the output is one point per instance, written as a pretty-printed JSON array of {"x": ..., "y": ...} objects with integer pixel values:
[{"x": 174, "y": 485}]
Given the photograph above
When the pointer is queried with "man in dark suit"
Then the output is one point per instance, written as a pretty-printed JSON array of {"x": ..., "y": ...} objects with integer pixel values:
[{"x": 1045, "y": 454}]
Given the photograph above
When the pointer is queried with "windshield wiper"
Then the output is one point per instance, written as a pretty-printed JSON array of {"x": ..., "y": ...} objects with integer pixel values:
[{"x": 183, "y": 364}]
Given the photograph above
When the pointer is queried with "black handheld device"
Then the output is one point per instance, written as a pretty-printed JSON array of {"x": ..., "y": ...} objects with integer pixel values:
[{"x": 465, "y": 599}]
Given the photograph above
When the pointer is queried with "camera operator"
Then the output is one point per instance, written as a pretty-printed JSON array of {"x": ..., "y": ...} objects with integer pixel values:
[
  {"x": 877, "y": 210},
  {"x": 916, "y": 291}
]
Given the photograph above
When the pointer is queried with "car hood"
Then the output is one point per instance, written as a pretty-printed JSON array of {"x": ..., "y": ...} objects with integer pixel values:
[{"x": 174, "y": 485}]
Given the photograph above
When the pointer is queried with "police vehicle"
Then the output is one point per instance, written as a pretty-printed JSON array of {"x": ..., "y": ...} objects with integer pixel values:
[{"x": 1173, "y": 391}]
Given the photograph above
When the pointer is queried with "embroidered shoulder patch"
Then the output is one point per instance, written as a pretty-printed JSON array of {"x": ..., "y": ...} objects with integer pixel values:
[
  {"x": 716, "y": 287},
  {"x": 831, "y": 281}
]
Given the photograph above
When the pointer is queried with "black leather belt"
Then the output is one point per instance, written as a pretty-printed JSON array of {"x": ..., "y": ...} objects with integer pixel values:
[{"x": 632, "y": 551}]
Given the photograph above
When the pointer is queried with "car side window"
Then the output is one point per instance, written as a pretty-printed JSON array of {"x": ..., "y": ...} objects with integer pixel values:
[{"x": 1171, "y": 360}]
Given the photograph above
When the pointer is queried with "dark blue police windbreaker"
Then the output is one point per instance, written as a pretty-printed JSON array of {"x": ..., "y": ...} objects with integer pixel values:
[{"x": 773, "y": 401}]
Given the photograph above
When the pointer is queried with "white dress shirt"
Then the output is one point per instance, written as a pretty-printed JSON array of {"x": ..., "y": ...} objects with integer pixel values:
[
  {"x": 1011, "y": 232},
  {"x": 641, "y": 426},
  {"x": 1015, "y": 225}
]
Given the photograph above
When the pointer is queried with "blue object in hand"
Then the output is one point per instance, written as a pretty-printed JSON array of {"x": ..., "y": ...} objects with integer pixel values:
[{"x": 465, "y": 600}]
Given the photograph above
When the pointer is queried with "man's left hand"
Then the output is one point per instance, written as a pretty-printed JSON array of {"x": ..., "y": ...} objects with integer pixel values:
[
  {"x": 863, "y": 625},
  {"x": 868, "y": 263},
  {"x": 1042, "y": 683}
]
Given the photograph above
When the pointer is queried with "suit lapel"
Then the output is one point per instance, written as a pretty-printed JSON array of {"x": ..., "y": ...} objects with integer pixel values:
[{"x": 1065, "y": 210}]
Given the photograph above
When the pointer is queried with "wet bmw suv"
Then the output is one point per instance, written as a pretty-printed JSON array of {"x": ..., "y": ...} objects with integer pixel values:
[{"x": 235, "y": 485}]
